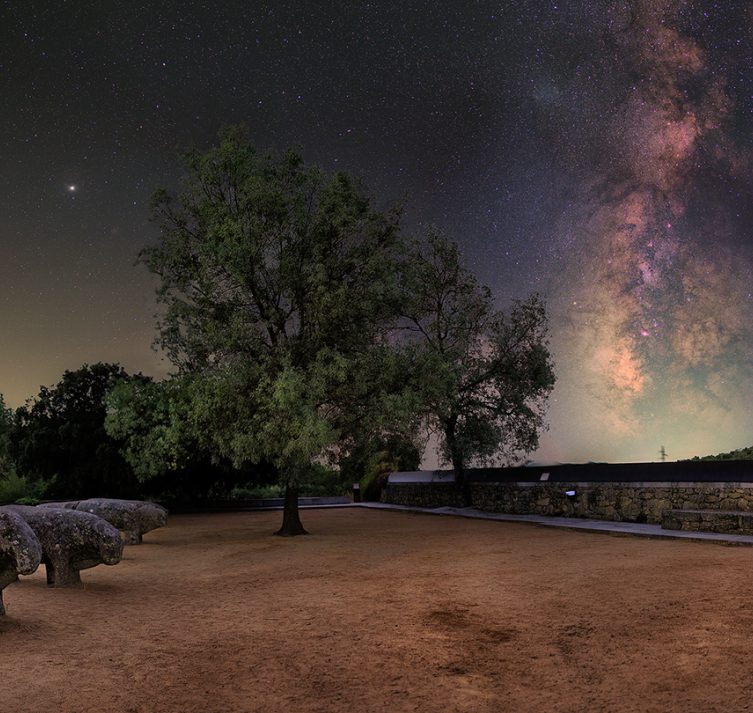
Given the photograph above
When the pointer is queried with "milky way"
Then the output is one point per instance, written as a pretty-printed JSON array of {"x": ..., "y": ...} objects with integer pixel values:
[{"x": 654, "y": 348}]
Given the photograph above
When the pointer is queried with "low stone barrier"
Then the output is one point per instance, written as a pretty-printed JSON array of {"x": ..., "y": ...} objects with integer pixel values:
[
  {"x": 629, "y": 502},
  {"x": 723, "y": 521},
  {"x": 424, "y": 495},
  {"x": 70, "y": 541},
  {"x": 20, "y": 551}
]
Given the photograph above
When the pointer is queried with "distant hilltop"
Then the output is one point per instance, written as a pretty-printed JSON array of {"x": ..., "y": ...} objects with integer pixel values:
[{"x": 739, "y": 454}]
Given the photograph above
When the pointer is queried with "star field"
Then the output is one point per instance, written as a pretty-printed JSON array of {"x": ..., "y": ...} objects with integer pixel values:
[{"x": 597, "y": 152}]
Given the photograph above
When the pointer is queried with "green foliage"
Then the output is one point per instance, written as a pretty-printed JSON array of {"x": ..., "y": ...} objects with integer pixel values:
[
  {"x": 31, "y": 501},
  {"x": 486, "y": 375},
  {"x": 375, "y": 477},
  {"x": 151, "y": 420},
  {"x": 320, "y": 482},
  {"x": 251, "y": 491},
  {"x": 371, "y": 460},
  {"x": 161, "y": 427},
  {"x": 61, "y": 435},
  {"x": 18, "y": 489},
  {"x": 323, "y": 481},
  {"x": 279, "y": 286}
]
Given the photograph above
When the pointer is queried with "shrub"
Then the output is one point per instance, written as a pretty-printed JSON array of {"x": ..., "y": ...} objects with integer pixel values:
[
  {"x": 16, "y": 488},
  {"x": 250, "y": 491},
  {"x": 321, "y": 482},
  {"x": 378, "y": 470}
]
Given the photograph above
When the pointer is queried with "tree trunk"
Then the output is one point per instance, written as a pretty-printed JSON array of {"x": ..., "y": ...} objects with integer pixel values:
[
  {"x": 458, "y": 464},
  {"x": 291, "y": 521},
  {"x": 461, "y": 482}
]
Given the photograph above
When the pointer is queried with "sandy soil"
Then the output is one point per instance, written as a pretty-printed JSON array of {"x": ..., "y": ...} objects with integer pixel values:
[{"x": 385, "y": 611}]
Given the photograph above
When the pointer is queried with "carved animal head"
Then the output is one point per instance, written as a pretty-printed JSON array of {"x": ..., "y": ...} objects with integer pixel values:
[
  {"x": 110, "y": 545},
  {"x": 152, "y": 516},
  {"x": 18, "y": 542}
]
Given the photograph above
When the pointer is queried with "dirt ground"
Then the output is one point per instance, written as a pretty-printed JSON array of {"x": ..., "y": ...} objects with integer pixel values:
[{"x": 385, "y": 611}]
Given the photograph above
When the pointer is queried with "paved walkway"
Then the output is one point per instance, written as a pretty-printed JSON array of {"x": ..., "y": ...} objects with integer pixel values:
[{"x": 576, "y": 523}]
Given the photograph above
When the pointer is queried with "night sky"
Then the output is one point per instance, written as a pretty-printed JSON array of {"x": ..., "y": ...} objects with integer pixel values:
[{"x": 600, "y": 153}]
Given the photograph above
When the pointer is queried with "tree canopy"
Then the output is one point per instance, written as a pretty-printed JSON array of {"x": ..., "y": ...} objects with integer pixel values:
[
  {"x": 487, "y": 374},
  {"x": 279, "y": 286},
  {"x": 168, "y": 449}
]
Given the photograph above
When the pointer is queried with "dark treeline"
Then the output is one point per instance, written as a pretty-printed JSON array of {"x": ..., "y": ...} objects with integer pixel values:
[{"x": 56, "y": 446}]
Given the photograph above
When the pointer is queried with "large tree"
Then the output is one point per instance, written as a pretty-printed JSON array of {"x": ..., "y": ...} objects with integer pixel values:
[
  {"x": 60, "y": 437},
  {"x": 278, "y": 283},
  {"x": 488, "y": 374}
]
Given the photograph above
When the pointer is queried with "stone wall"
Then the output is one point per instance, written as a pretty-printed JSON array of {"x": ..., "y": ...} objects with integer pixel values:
[
  {"x": 424, "y": 495},
  {"x": 629, "y": 502},
  {"x": 738, "y": 523}
]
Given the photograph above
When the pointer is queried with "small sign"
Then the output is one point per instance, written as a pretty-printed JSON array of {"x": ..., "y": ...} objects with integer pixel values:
[{"x": 544, "y": 476}]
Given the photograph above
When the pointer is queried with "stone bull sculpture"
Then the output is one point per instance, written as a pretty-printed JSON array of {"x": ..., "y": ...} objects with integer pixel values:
[
  {"x": 134, "y": 517},
  {"x": 20, "y": 551},
  {"x": 71, "y": 541}
]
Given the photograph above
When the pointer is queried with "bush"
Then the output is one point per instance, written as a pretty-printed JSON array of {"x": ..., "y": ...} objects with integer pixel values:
[
  {"x": 378, "y": 470},
  {"x": 250, "y": 491},
  {"x": 322, "y": 482},
  {"x": 15, "y": 488},
  {"x": 371, "y": 462}
]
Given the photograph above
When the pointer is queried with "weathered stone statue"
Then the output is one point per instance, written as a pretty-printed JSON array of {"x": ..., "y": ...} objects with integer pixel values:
[
  {"x": 71, "y": 541},
  {"x": 151, "y": 516},
  {"x": 133, "y": 517},
  {"x": 20, "y": 551}
]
